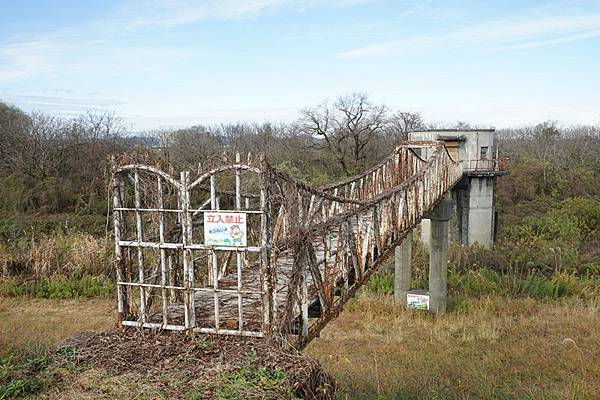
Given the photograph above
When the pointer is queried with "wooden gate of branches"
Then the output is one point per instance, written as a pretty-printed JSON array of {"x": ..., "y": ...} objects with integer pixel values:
[{"x": 305, "y": 253}]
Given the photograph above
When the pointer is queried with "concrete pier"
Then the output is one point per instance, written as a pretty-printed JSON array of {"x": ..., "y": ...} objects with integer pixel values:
[
  {"x": 402, "y": 269},
  {"x": 438, "y": 256}
]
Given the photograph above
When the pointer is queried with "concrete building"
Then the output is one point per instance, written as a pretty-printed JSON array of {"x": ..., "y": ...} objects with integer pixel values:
[{"x": 474, "y": 218}]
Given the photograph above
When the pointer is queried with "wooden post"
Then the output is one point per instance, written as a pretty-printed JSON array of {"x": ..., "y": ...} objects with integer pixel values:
[
  {"x": 163, "y": 256},
  {"x": 212, "y": 263},
  {"x": 214, "y": 266},
  {"x": 238, "y": 255},
  {"x": 140, "y": 250},
  {"x": 266, "y": 274},
  {"x": 402, "y": 269},
  {"x": 188, "y": 268},
  {"x": 438, "y": 256},
  {"x": 304, "y": 301},
  {"x": 121, "y": 289}
]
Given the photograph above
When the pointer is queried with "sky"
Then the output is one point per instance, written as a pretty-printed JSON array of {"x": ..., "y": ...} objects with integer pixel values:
[{"x": 176, "y": 63}]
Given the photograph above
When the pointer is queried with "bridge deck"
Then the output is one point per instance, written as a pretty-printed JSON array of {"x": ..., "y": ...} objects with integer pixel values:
[{"x": 251, "y": 304}]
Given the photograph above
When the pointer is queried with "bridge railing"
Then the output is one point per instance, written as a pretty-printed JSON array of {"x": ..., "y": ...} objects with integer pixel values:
[
  {"x": 307, "y": 250},
  {"x": 485, "y": 165},
  {"x": 334, "y": 244},
  {"x": 394, "y": 169}
]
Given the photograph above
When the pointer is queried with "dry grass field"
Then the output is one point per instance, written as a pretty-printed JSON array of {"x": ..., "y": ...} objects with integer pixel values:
[
  {"x": 494, "y": 348},
  {"x": 41, "y": 321}
]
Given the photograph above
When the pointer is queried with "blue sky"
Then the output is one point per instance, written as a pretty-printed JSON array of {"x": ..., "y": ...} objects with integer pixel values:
[{"x": 173, "y": 63}]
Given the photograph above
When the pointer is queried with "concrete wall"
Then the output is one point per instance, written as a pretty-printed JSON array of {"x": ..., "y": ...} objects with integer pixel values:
[
  {"x": 473, "y": 217},
  {"x": 471, "y": 149},
  {"x": 473, "y": 213},
  {"x": 470, "y": 141},
  {"x": 481, "y": 211}
]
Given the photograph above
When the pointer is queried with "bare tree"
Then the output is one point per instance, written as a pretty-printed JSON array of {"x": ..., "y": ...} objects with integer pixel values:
[
  {"x": 187, "y": 147},
  {"x": 403, "y": 122},
  {"x": 346, "y": 128}
]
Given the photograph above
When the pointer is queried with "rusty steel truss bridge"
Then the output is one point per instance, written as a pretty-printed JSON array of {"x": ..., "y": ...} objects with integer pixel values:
[{"x": 306, "y": 250}]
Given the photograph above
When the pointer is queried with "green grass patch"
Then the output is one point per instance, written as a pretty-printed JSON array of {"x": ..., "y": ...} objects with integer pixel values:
[
  {"x": 253, "y": 382},
  {"x": 487, "y": 282},
  {"x": 24, "y": 372},
  {"x": 250, "y": 382},
  {"x": 58, "y": 288},
  {"x": 484, "y": 282}
]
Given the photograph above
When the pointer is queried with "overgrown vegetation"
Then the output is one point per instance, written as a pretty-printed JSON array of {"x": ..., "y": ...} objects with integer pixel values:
[
  {"x": 548, "y": 164},
  {"x": 59, "y": 255},
  {"x": 526, "y": 295},
  {"x": 545, "y": 257}
]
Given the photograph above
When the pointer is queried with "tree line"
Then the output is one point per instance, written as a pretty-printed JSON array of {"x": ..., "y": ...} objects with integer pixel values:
[{"x": 50, "y": 164}]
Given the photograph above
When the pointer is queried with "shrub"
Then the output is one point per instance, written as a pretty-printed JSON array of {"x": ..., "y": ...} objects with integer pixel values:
[
  {"x": 555, "y": 241},
  {"x": 381, "y": 283}
]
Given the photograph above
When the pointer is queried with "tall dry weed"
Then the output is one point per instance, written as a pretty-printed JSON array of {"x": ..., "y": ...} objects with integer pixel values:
[
  {"x": 88, "y": 255},
  {"x": 71, "y": 255},
  {"x": 5, "y": 259},
  {"x": 43, "y": 257}
]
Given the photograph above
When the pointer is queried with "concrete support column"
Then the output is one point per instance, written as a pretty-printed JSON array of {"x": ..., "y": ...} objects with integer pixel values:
[
  {"x": 438, "y": 256},
  {"x": 402, "y": 269}
]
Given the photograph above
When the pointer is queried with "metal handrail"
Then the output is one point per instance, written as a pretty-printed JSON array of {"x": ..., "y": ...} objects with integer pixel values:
[{"x": 494, "y": 165}]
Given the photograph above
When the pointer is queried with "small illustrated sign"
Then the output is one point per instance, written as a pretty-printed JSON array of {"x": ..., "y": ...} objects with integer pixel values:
[
  {"x": 417, "y": 301},
  {"x": 225, "y": 228}
]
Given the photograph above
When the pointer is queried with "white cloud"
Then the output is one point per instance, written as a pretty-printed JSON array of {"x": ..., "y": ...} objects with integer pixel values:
[
  {"x": 548, "y": 42},
  {"x": 500, "y": 34},
  {"x": 97, "y": 48},
  {"x": 82, "y": 55},
  {"x": 26, "y": 59},
  {"x": 61, "y": 104},
  {"x": 170, "y": 13},
  {"x": 211, "y": 116}
]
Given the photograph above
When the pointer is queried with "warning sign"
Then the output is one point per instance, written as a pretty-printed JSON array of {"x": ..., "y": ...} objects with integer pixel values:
[
  {"x": 417, "y": 301},
  {"x": 225, "y": 228}
]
